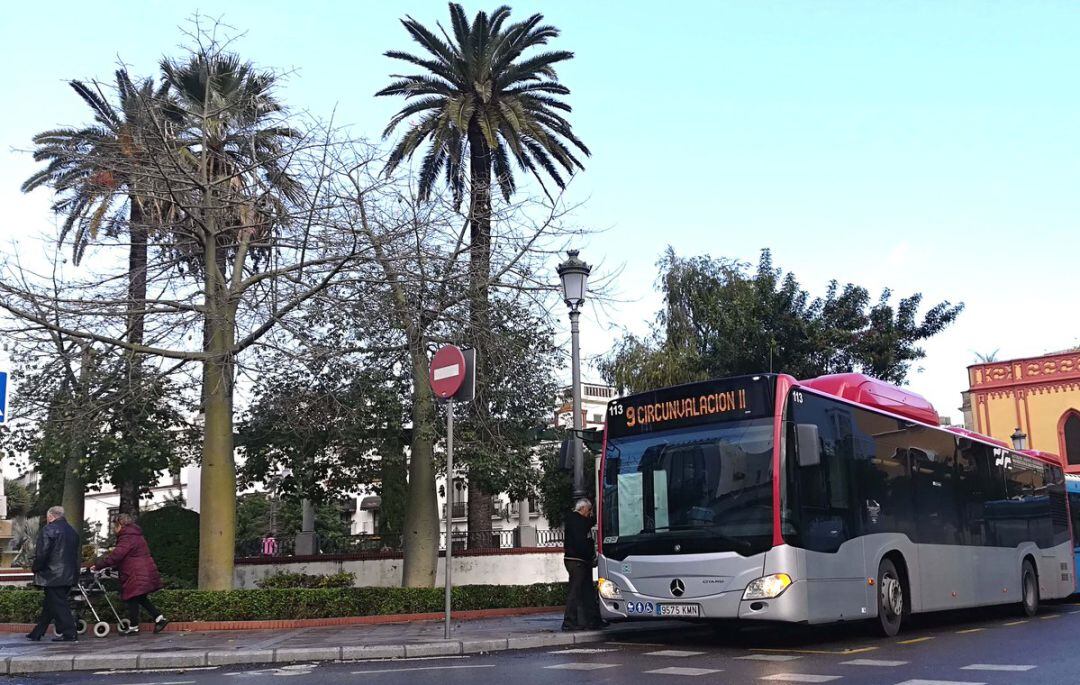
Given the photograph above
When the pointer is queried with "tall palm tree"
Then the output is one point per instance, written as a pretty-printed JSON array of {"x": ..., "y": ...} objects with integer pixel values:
[
  {"x": 95, "y": 173},
  {"x": 230, "y": 171},
  {"x": 480, "y": 102}
]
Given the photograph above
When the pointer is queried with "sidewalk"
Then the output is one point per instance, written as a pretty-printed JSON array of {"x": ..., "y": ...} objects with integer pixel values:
[{"x": 187, "y": 650}]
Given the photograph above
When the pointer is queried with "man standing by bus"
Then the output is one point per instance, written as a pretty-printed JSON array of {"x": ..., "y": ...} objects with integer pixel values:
[{"x": 579, "y": 557}]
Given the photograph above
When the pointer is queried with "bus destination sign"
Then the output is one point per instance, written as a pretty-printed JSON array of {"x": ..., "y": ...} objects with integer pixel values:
[{"x": 745, "y": 397}]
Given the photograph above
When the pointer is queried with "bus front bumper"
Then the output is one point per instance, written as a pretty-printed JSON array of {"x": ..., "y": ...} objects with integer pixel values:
[{"x": 790, "y": 606}]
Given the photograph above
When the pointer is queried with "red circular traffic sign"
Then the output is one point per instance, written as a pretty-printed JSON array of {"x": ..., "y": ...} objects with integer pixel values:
[{"x": 447, "y": 371}]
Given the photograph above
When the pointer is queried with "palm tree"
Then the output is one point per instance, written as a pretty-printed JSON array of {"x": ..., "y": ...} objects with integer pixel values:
[
  {"x": 229, "y": 169},
  {"x": 95, "y": 173},
  {"x": 480, "y": 101}
]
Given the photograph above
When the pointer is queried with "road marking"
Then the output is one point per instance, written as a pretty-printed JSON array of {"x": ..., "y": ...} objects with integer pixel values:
[
  {"x": 1015, "y": 623},
  {"x": 636, "y": 644},
  {"x": 939, "y": 682},
  {"x": 914, "y": 640},
  {"x": 834, "y": 652},
  {"x": 997, "y": 667},
  {"x": 673, "y": 652},
  {"x": 680, "y": 670},
  {"x": 422, "y": 668},
  {"x": 769, "y": 657},
  {"x": 873, "y": 662},
  {"x": 579, "y": 667},
  {"x": 801, "y": 678},
  {"x": 1049, "y": 616},
  {"x": 970, "y": 630},
  {"x": 1073, "y": 611},
  {"x": 583, "y": 650},
  {"x": 163, "y": 682}
]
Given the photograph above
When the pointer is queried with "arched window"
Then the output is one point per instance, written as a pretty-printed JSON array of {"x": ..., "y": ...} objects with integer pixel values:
[{"x": 1070, "y": 437}]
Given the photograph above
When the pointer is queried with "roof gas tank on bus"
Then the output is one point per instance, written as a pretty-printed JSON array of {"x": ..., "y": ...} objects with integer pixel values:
[{"x": 871, "y": 392}]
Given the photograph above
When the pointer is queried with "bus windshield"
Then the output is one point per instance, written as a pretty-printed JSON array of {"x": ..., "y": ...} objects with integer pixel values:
[{"x": 691, "y": 490}]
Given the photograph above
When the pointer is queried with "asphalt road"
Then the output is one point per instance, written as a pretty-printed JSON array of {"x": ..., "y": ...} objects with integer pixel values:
[{"x": 993, "y": 647}]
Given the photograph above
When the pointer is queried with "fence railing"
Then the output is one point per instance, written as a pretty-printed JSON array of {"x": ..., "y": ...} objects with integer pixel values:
[
  {"x": 550, "y": 538},
  {"x": 386, "y": 542}
]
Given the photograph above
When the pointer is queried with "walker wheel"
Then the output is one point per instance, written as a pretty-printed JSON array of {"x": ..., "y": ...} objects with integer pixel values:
[
  {"x": 101, "y": 629},
  {"x": 124, "y": 625},
  {"x": 80, "y": 626}
]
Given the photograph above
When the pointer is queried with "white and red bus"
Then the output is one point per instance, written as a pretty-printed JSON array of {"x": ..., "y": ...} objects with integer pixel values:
[{"x": 839, "y": 498}]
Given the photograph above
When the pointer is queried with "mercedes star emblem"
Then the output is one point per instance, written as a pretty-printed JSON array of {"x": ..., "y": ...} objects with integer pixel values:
[{"x": 677, "y": 588}]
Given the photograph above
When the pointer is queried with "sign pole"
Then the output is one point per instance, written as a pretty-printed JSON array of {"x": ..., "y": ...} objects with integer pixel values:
[{"x": 449, "y": 508}]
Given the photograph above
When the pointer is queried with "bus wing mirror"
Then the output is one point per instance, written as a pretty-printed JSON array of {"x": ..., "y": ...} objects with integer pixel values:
[{"x": 809, "y": 444}]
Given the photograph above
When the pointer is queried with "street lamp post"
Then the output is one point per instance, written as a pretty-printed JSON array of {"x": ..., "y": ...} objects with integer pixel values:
[
  {"x": 1019, "y": 439},
  {"x": 574, "y": 275}
]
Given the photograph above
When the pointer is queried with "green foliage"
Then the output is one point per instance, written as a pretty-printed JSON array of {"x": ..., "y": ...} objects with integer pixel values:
[
  {"x": 283, "y": 580},
  {"x": 172, "y": 534},
  {"x": 19, "y": 498},
  {"x": 521, "y": 384},
  {"x": 259, "y": 515},
  {"x": 720, "y": 319},
  {"x": 556, "y": 487},
  {"x": 22, "y": 606},
  {"x": 480, "y": 99}
]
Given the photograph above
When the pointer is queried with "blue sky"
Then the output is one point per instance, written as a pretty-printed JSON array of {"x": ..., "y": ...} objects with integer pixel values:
[{"x": 927, "y": 146}]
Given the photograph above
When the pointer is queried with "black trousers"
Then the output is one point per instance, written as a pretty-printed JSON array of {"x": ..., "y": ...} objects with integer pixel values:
[
  {"x": 55, "y": 608},
  {"x": 142, "y": 601},
  {"x": 582, "y": 602}
]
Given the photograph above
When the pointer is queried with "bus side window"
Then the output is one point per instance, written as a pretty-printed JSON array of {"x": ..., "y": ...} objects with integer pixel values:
[{"x": 824, "y": 495}]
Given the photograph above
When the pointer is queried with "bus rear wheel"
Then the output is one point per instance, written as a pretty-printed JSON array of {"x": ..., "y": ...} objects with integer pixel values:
[
  {"x": 1029, "y": 586},
  {"x": 891, "y": 602}
]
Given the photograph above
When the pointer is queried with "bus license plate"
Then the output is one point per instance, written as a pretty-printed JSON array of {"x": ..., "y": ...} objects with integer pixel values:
[{"x": 680, "y": 610}]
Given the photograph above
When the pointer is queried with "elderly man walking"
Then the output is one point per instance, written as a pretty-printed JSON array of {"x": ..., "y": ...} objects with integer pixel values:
[
  {"x": 582, "y": 603},
  {"x": 56, "y": 569}
]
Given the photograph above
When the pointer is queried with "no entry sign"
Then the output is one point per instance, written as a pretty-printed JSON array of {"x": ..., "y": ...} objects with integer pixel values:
[{"x": 447, "y": 371}]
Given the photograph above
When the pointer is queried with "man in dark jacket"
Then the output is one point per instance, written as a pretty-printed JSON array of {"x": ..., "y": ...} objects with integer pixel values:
[
  {"x": 56, "y": 568},
  {"x": 582, "y": 603}
]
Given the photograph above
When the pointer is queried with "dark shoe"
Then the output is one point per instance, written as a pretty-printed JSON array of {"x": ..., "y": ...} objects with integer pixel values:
[
  {"x": 66, "y": 638},
  {"x": 33, "y": 638},
  {"x": 160, "y": 625}
]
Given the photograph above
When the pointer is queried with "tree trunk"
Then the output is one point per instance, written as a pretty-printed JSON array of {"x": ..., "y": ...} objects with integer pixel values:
[
  {"x": 217, "y": 515},
  {"x": 136, "y": 325},
  {"x": 74, "y": 497},
  {"x": 480, "y": 510},
  {"x": 421, "y": 533}
]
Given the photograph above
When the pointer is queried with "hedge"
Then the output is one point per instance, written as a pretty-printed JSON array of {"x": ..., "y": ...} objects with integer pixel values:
[
  {"x": 172, "y": 533},
  {"x": 22, "y": 606}
]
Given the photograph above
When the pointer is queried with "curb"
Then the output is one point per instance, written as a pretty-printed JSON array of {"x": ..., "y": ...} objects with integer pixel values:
[
  {"x": 289, "y": 624},
  {"x": 17, "y": 665}
]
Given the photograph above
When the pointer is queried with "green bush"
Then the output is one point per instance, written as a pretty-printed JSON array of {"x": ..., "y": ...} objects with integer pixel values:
[
  {"x": 172, "y": 534},
  {"x": 21, "y": 606},
  {"x": 283, "y": 581}
]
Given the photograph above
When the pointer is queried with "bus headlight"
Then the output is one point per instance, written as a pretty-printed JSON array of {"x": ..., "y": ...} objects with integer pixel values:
[
  {"x": 608, "y": 589},
  {"x": 767, "y": 587}
]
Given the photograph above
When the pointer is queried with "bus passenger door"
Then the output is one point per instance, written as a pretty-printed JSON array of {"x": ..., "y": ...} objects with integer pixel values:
[{"x": 944, "y": 565}]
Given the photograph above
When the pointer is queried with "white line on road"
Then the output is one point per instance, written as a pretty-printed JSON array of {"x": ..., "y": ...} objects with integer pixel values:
[
  {"x": 673, "y": 652},
  {"x": 163, "y": 682},
  {"x": 873, "y": 662},
  {"x": 579, "y": 667},
  {"x": 801, "y": 678},
  {"x": 681, "y": 670},
  {"x": 938, "y": 682},
  {"x": 769, "y": 657},
  {"x": 583, "y": 650},
  {"x": 422, "y": 668},
  {"x": 997, "y": 667}
]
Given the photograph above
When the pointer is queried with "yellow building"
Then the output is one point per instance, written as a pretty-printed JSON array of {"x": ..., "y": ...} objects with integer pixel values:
[{"x": 1039, "y": 395}]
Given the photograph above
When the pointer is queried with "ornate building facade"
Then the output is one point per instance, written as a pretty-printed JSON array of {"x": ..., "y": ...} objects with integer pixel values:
[{"x": 1040, "y": 396}]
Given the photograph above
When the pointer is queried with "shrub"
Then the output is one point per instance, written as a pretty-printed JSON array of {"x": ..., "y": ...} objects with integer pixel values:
[
  {"x": 283, "y": 580},
  {"x": 172, "y": 534},
  {"x": 21, "y": 606}
]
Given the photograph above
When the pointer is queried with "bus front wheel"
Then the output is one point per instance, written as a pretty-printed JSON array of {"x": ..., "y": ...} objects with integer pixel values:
[
  {"x": 1030, "y": 588},
  {"x": 892, "y": 604}
]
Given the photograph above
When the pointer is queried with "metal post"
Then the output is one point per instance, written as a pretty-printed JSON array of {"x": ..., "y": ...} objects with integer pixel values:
[
  {"x": 575, "y": 361},
  {"x": 449, "y": 508}
]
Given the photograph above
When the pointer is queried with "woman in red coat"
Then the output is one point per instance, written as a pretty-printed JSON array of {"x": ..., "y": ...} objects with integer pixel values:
[{"x": 138, "y": 573}]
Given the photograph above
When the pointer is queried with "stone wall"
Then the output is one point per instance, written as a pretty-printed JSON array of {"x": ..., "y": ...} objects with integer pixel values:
[{"x": 490, "y": 567}]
